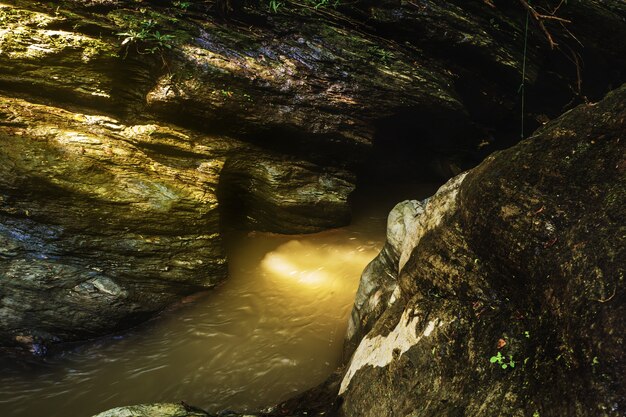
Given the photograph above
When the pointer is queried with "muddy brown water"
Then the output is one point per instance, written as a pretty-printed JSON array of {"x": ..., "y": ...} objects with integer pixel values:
[{"x": 274, "y": 329}]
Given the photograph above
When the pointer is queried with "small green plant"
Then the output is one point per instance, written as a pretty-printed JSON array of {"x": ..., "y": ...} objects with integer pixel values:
[
  {"x": 275, "y": 5},
  {"x": 146, "y": 38},
  {"x": 384, "y": 55},
  {"x": 161, "y": 41},
  {"x": 501, "y": 360},
  {"x": 317, "y": 4},
  {"x": 183, "y": 5}
]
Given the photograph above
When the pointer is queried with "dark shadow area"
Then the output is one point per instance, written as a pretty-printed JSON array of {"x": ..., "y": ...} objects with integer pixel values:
[{"x": 417, "y": 145}]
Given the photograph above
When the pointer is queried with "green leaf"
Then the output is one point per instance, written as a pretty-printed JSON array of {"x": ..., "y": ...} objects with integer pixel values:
[{"x": 493, "y": 359}]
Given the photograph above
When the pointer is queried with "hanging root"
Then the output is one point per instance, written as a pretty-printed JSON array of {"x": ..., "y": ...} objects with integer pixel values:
[
  {"x": 540, "y": 18},
  {"x": 570, "y": 54}
]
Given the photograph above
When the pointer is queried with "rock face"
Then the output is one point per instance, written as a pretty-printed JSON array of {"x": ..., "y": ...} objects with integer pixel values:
[
  {"x": 276, "y": 194},
  {"x": 102, "y": 223},
  {"x": 508, "y": 285},
  {"x": 41, "y": 56},
  {"x": 370, "y": 81},
  {"x": 394, "y": 77},
  {"x": 379, "y": 286}
]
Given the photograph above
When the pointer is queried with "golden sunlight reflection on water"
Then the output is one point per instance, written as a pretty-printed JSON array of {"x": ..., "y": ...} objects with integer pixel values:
[{"x": 317, "y": 267}]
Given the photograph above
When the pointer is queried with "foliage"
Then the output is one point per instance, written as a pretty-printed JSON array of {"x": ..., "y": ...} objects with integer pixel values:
[
  {"x": 501, "y": 360},
  {"x": 324, "y": 3},
  {"x": 384, "y": 55},
  {"x": 184, "y": 5},
  {"x": 146, "y": 36},
  {"x": 275, "y": 5}
]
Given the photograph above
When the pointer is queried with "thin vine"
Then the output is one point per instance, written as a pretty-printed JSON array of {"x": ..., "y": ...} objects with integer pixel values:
[{"x": 522, "y": 86}]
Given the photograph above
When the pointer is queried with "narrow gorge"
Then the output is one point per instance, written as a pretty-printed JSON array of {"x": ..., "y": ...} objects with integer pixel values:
[{"x": 317, "y": 208}]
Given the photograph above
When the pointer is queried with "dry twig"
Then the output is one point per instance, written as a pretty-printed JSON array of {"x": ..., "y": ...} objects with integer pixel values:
[{"x": 540, "y": 18}]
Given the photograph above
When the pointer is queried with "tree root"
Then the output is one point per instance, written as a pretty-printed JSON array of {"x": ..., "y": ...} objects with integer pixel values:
[{"x": 540, "y": 18}]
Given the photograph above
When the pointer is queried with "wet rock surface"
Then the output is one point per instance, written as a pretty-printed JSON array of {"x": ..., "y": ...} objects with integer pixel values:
[
  {"x": 512, "y": 302},
  {"x": 109, "y": 182},
  {"x": 316, "y": 402},
  {"x": 379, "y": 286},
  {"x": 369, "y": 86},
  {"x": 278, "y": 194},
  {"x": 96, "y": 229},
  {"x": 102, "y": 224},
  {"x": 154, "y": 410}
]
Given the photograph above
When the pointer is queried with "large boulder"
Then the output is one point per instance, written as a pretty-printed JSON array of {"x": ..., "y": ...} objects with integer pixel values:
[{"x": 511, "y": 298}]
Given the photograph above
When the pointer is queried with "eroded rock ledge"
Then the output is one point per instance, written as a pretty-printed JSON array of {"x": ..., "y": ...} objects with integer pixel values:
[{"x": 377, "y": 81}]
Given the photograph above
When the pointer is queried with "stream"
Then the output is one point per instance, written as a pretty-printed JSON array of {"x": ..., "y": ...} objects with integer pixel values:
[{"x": 273, "y": 329}]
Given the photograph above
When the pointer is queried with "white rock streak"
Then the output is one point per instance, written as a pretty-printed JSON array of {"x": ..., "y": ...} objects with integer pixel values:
[
  {"x": 407, "y": 224},
  {"x": 379, "y": 350},
  {"x": 444, "y": 201}
]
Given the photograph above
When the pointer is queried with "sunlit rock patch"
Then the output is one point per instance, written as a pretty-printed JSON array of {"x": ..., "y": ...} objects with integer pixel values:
[
  {"x": 98, "y": 223},
  {"x": 39, "y": 49}
]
